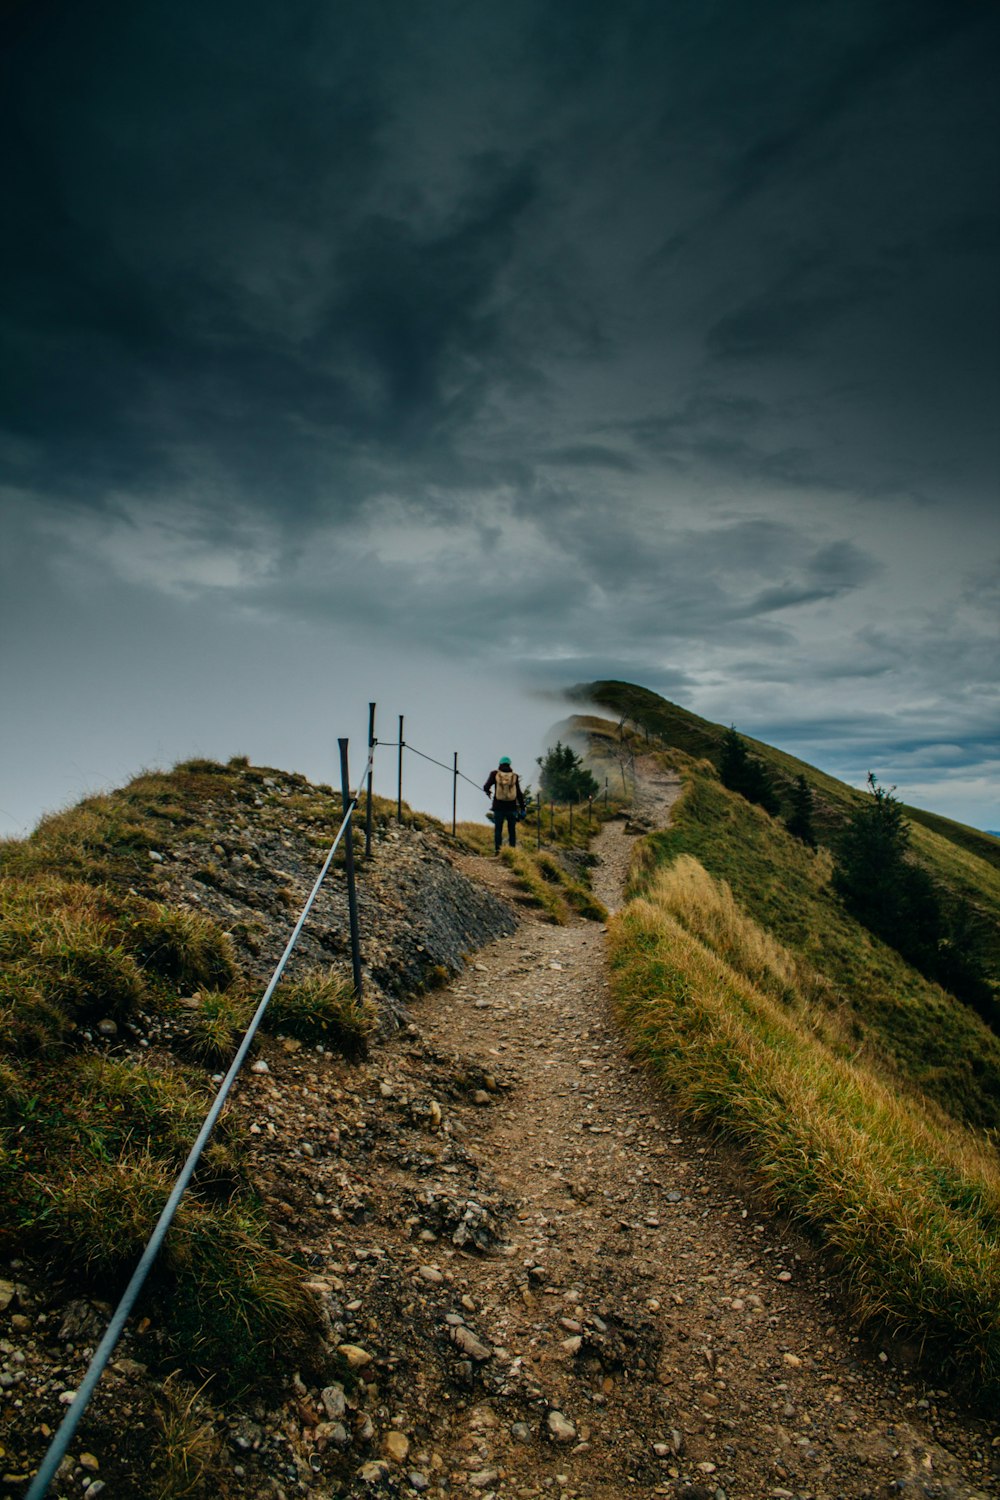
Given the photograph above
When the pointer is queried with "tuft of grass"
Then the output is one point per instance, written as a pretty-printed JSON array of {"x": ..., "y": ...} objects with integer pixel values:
[
  {"x": 573, "y": 891},
  {"x": 217, "y": 1028},
  {"x": 232, "y": 1307},
  {"x": 129, "y": 1106},
  {"x": 86, "y": 973},
  {"x": 708, "y": 910},
  {"x": 477, "y": 837},
  {"x": 184, "y": 947},
  {"x": 242, "y": 1312},
  {"x": 547, "y": 886},
  {"x": 30, "y": 1024},
  {"x": 537, "y": 891},
  {"x": 321, "y": 1006},
  {"x": 186, "y": 1453},
  {"x": 909, "y": 1199}
]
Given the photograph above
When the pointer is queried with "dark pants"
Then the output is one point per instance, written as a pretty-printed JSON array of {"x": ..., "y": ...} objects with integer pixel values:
[{"x": 505, "y": 812}]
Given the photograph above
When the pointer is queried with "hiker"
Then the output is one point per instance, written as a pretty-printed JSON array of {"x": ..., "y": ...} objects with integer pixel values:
[{"x": 508, "y": 801}]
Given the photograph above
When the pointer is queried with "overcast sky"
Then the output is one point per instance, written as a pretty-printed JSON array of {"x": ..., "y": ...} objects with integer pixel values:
[{"x": 445, "y": 354}]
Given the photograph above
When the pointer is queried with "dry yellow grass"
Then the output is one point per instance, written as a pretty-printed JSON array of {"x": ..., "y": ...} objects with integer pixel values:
[{"x": 908, "y": 1198}]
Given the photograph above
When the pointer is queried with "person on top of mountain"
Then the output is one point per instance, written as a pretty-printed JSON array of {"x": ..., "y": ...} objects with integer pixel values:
[{"x": 508, "y": 801}]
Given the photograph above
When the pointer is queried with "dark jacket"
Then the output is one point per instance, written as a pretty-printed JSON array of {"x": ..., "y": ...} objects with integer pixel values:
[{"x": 491, "y": 783}]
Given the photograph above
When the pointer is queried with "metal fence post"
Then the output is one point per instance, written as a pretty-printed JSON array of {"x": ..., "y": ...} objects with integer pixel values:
[
  {"x": 352, "y": 894},
  {"x": 399, "y": 784},
  {"x": 454, "y": 795},
  {"x": 605, "y": 791},
  {"x": 368, "y": 804}
]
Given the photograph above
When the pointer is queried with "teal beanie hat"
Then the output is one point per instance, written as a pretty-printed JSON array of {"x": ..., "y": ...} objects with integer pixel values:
[{"x": 504, "y": 760}]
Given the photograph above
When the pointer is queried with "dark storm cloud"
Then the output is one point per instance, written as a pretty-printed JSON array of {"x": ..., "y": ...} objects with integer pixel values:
[
  {"x": 260, "y": 240},
  {"x": 876, "y": 45},
  {"x": 652, "y": 340},
  {"x": 591, "y": 456},
  {"x": 787, "y": 318},
  {"x": 200, "y": 269}
]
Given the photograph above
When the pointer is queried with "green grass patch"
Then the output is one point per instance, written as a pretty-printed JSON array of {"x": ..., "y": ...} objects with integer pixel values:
[
  {"x": 547, "y": 885},
  {"x": 321, "y": 1006},
  {"x": 236, "y": 1307},
  {"x": 90, "y": 1141},
  {"x": 907, "y": 1198},
  {"x": 910, "y": 1028},
  {"x": 182, "y": 946},
  {"x": 216, "y": 1029}
]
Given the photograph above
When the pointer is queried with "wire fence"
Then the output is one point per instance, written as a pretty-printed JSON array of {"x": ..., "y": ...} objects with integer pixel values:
[
  {"x": 60, "y": 1443},
  {"x": 401, "y": 744},
  {"x": 59, "y": 1446}
]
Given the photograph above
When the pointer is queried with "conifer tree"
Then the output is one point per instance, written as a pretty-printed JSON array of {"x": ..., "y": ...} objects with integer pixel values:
[
  {"x": 800, "y": 822},
  {"x": 564, "y": 777},
  {"x": 898, "y": 901},
  {"x": 744, "y": 773},
  {"x": 733, "y": 761}
]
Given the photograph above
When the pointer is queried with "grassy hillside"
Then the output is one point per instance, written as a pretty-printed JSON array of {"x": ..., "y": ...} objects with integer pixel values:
[
  {"x": 116, "y": 1007},
  {"x": 867, "y": 1097},
  {"x": 664, "y": 722},
  {"x": 910, "y": 1028}
]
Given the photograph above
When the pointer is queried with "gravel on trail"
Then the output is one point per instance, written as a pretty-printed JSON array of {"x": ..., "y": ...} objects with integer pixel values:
[{"x": 540, "y": 1279}]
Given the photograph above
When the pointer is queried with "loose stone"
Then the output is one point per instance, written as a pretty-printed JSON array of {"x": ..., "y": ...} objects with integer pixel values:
[
  {"x": 561, "y": 1429},
  {"x": 356, "y": 1356},
  {"x": 396, "y": 1445},
  {"x": 335, "y": 1402}
]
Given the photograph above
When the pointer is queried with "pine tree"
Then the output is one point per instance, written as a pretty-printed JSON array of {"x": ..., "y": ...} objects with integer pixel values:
[
  {"x": 564, "y": 777},
  {"x": 898, "y": 901},
  {"x": 733, "y": 761},
  {"x": 800, "y": 823},
  {"x": 744, "y": 773}
]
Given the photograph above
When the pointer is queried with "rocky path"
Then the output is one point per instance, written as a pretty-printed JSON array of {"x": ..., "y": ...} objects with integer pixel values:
[{"x": 657, "y": 1333}]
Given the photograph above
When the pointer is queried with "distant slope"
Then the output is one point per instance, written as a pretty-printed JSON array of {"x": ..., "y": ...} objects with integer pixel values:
[
  {"x": 835, "y": 801},
  {"x": 963, "y": 861},
  {"x": 917, "y": 1028}
]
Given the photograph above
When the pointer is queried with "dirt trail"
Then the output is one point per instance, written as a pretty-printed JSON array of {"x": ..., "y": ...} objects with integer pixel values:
[{"x": 663, "y": 1333}]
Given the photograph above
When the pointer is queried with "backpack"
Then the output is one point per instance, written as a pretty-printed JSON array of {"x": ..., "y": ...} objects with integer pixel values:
[{"x": 505, "y": 788}]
